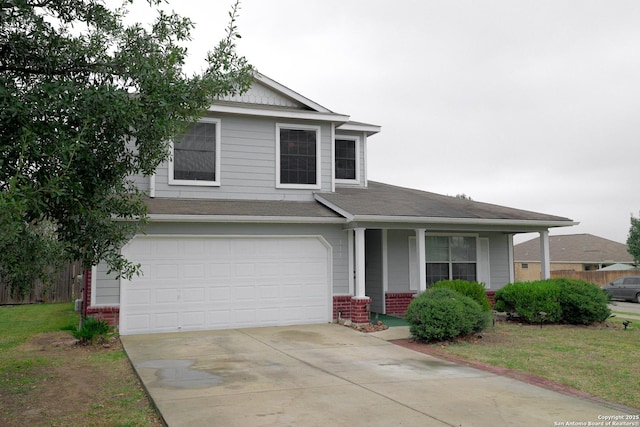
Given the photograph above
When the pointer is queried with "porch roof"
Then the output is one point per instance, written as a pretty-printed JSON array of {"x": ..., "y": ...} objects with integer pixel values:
[
  {"x": 389, "y": 203},
  {"x": 171, "y": 209}
]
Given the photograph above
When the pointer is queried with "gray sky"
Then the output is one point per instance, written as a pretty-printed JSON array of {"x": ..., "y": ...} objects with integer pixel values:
[{"x": 528, "y": 104}]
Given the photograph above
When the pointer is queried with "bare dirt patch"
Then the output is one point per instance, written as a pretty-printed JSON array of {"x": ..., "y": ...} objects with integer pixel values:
[{"x": 58, "y": 382}]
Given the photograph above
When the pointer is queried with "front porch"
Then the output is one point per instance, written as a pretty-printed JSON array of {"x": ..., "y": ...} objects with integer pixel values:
[{"x": 391, "y": 266}]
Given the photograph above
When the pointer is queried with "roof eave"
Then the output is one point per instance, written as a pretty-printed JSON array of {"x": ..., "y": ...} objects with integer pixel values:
[
  {"x": 285, "y": 114},
  {"x": 244, "y": 219},
  {"x": 464, "y": 221},
  {"x": 360, "y": 127}
]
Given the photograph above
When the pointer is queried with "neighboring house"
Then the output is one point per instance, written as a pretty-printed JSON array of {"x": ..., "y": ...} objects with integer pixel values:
[
  {"x": 265, "y": 216},
  {"x": 572, "y": 252}
]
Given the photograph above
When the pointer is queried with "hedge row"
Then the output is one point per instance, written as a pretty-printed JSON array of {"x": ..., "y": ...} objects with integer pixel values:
[{"x": 561, "y": 300}]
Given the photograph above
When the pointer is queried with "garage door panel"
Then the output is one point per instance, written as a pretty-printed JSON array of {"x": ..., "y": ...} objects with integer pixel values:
[
  {"x": 193, "y": 319},
  {"x": 166, "y": 321},
  {"x": 194, "y": 295},
  {"x": 218, "y": 270},
  {"x": 196, "y": 283},
  {"x": 164, "y": 272},
  {"x": 166, "y": 296}
]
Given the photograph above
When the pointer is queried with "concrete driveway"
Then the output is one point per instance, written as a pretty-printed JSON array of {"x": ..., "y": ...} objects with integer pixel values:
[{"x": 330, "y": 375}]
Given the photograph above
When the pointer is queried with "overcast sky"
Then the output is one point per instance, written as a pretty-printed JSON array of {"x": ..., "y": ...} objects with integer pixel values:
[{"x": 528, "y": 104}]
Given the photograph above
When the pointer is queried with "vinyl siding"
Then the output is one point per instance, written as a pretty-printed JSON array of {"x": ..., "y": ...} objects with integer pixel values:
[
  {"x": 108, "y": 291},
  {"x": 248, "y": 164}
]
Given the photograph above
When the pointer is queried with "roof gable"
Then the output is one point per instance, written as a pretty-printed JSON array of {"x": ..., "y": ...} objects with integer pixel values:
[{"x": 267, "y": 92}]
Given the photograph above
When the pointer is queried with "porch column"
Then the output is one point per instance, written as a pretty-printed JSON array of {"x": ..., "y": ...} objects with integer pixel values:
[
  {"x": 360, "y": 303},
  {"x": 422, "y": 260},
  {"x": 360, "y": 279},
  {"x": 545, "y": 262}
]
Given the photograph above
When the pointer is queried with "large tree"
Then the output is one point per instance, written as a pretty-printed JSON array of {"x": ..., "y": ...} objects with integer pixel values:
[
  {"x": 87, "y": 101},
  {"x": 633, "y": 240}
]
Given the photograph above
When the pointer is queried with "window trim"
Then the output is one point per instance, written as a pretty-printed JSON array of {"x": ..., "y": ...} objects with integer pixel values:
[
  {"x": 200, "y": 183},
  {"x": 290, "y": 126},
  {"x": 356, "y": 140}
]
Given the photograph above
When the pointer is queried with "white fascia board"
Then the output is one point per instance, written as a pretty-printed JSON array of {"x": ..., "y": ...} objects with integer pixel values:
[
  {"x": 287, "y": 114},
  {"x": 290, "y": 93},
  {"x": 462, "y": 221},
  {"x": 360, "y": 127},
  {"x": 349, "y": 217},
  {"x": 246, "y": 219}
]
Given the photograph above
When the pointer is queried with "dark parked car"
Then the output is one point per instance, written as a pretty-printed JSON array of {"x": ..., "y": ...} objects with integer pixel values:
[{"x": 626, "y": 288}]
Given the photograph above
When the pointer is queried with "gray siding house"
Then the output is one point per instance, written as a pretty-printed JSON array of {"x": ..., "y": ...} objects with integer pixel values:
[{"x": 264, "y": 216}]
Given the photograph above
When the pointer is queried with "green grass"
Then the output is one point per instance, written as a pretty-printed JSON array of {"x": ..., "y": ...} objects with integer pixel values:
[
  {"x": 599, "y": 360},
  {"x": 21, "y": 322},
  {"x": 31, "y": 373}
]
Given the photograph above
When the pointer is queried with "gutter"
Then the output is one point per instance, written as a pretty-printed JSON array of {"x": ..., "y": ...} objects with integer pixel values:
[{"x": 244, "y": 219}]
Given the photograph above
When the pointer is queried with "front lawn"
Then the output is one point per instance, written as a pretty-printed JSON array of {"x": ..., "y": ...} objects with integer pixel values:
[
  {"x": 601, "y": 360},
  {"x": 46, "y": 379}
]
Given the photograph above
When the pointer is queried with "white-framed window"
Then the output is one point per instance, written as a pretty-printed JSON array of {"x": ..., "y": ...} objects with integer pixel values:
[
  {"x": 195, "y": 156},
  {"x": 297, "y": 156},
  {"x": 451, "y": 258},
  {"x": 347, "y": 155}
]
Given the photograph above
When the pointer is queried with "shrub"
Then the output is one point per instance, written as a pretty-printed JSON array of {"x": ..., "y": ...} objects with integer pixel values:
[
  {"x": 528, "y": 299},
  {"x": 582, "y": 303},
  {"x": 563, "y": 301},
  {"x": 473, "y": 290},
  {"x": 442, "y": 314},
  {"x": 92, "y": 330}
]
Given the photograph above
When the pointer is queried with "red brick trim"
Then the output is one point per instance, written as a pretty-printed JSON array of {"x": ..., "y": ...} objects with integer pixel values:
[
  {"x": 109, "y": 313},
  {"x": 342, "y": 304},
  {"x": 360, "y": 309},
  {"x": 492, "y": 297},
  {"x": 396, "y": 303}
]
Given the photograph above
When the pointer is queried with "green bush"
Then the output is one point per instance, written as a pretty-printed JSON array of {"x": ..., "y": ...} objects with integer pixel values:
[
  {"x": 473, "y": 290},
  {"x": 563, "y": 301},
  {"x": 528, "y": 299},
  {"x": 582, "y": 303},
  {"x": 92, "y": 330},
  {"x": 442, "y": 314}
]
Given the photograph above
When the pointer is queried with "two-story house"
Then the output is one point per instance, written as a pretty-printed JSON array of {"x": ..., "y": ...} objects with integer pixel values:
[{"x": 265, "y": 216}]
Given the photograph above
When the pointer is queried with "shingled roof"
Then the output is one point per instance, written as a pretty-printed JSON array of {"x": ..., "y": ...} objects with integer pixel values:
[
  {"x": 384, "y": 201},
  {"x": 574, "y": 248},
  {"x": 161, "y": 208}
]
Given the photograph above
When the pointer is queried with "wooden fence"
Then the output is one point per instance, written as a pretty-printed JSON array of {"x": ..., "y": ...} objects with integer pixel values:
[
  {"x": 600, "y": 278},
  {"x": 65, "y": 287}
]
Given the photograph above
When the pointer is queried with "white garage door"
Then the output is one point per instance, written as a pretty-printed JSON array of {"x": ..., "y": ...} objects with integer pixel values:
[{"x": 200, "y": 283}]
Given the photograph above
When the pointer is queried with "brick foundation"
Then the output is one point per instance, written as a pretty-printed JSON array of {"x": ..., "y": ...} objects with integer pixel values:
[
  {"x": 492, "y": 297},
  {"x": 342, "y": 304},
  {"x": 396, "y": 304},
  {"x": 360, "y": 309},
  {"x": 109, "y": 313}
]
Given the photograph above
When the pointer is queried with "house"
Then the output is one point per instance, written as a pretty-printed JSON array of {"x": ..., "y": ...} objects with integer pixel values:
[
  {"x": 265, "y": 216},
  {"x": 571, "y": 252}
]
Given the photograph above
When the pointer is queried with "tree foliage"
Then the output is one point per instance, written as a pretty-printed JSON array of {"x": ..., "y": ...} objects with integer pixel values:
[
  {"x": 87, "y": 101},
  {"x": 633, "y": 240}
]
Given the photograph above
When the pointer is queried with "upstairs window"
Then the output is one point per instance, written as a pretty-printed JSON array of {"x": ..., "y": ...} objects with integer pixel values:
[
  {"x": 196, "y": 155},
  {"x": 346, "y": 159},
  {"x": 298, "y": 156}
]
